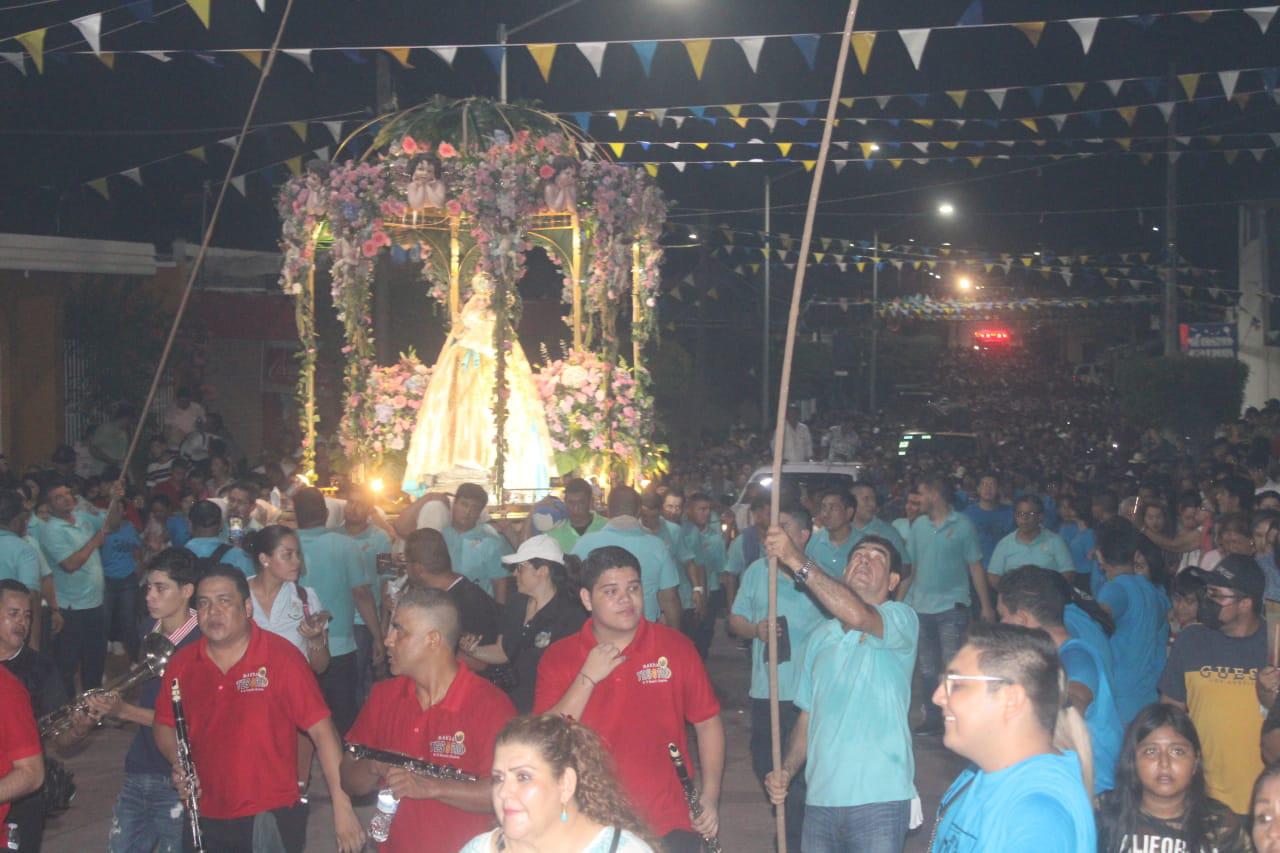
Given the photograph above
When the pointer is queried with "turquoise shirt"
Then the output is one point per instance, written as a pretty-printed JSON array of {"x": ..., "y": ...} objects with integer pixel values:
[
  {"x": 566, "y": 535},
  {"x": 673, "y": 536},
  {"x": 832, "y": 558},
  {"x": 657, "y": 569},
  {"x": 1081, "y": 626},
  {"x": 81, "y": 589},
  {"x": 941, "y": 556},
  {"x": 736, "y": 562},
  {"x": 857, "y": 690},
  {"x": 883, "y": 529},
  {"x": 204, "y": 546},
  {"x": 371, "y": 541},
  {"x": 477, "y": 554},
  {"x": 1039, "y": 804},
  {"x": 1047, "y": 551},
  {"x": 1139, "y": 643},
  {"x": 706, "y": 548},
  {"x": 1084, "y": 666},
  {"x": 18, "y": 560},
  {"x": 334, "y": 569},
  {"x": 752, "y": 604}
]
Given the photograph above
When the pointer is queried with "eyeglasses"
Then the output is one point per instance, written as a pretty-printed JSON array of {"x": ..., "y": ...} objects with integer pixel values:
[
  {"x": 949, "y": 680},
  {"x": 1222, "y": 598},
  {"x": 1027, "y": 513}
]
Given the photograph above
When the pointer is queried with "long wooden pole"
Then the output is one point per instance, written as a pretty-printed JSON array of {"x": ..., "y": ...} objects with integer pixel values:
[{"x": 784, "y": 392}]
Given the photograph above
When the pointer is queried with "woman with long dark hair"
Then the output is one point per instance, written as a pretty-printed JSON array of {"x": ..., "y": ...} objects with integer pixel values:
[{"x": 1159, "y": 801}]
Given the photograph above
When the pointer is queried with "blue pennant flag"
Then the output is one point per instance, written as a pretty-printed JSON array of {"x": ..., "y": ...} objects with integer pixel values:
[
  {"x": 583, "y": 120},
  {"x": 800, "y": 121},
  {"x": 494, "y": 52},
  {"x": 354, "y": 56},
  {"x": 1143, "y": 21},
  {"x": 1270, "y": 77},
  {"x": 808, "y": 45},
  {"x": 894, "y": 122},
  {"x": 645, "y": 50},
  {"x": 972, "y": 16},
  {"x": 920, "y": 100},
  {"x": 698, "y": 112},
  {"x": 1154, "y": 85},
  {"x": 1094, "y": 117},
  {"x": 1037, "y": 94},
  {"x": 811, "y": 107},
  {"x": 207, "y": 58},
  {"x": 991, "y": 122},
  {"x": 869, "y": 164},
  {"x": 143, "y": 10},
  {"x": 644, "y": 146}
]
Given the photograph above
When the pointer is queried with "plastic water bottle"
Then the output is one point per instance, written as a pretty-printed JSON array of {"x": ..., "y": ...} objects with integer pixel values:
[{"x": 380, "y": 826}]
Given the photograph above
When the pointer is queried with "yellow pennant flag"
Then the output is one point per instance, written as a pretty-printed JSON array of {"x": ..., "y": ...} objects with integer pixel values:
[
  {"x": 784, "y": 148},
  {"x": 733, "y": 164},
  {"x": 400, "y": 54},
  {"x": 958, "y": 95},
  {"x": 1029, "y": 123},
  {"x": 741, "y": 122},
  {"x": 1124, "y": 143},
  {"x": 950, "y": 145},
  {"x": 1026, "y": 261},
  {"x": 254, "y": 57},
  {"x": 923, "y": 122},
  {"x": 808, "y": 164},
  {"x": 1199, "y": 17},
  {"x": 861, "y": 266},
  {"x": 295, "y": 165},
  {"x": 702, "y": 145},
  {"x": 108, "y": 59},
  {"x": 895, "y": 163},
  {"x": 621, "y": 118},
  {"x": 201, "y": 8},
  {"x": 1231, "y": 156},
  {"x": 975, "y": 161},
  {"x": 697, "y": 49},
  {"x": 617, "y": 148},
  {"x": 862, "y": 44},
  {"x": 652, "y": 169},
  {"x": 100, "y": 187},
  {"x": 1145, "y": 158},
  {"x": 34, "y": 43},
  {"x": 198, "y": 153},
  {"x": 847, "y": 103},
  {"x": 543, "y": 55},
  {"x": 300, "y": 128},
  {"x": 1190, "y": 82},
  {"x": 867, "y": 149},
  {"x": 1032, "y": 30},
  {"x": 734, "y": 110},
  {"x": 1075, "y": 89},
  {"x": 1128, "y": 114}
]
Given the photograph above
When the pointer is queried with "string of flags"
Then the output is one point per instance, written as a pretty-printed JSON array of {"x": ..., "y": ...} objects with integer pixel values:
[
  {"x": 924, "y": 307},
  {"x": 239, "y": 182},
  {"x": 695, "y": 50}
]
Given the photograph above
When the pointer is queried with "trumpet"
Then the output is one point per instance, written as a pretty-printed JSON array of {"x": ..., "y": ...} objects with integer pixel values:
[{"x": 156, "y": 651}]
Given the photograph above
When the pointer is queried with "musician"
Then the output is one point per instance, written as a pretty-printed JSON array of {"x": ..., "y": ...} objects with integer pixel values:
[
  {"x": 246, "y": 692},
  {"x": 21, "y": 759},
  {"x": 637, "y": 683},
  {"x": 435, "y": 710},
  {"x": 147, "y": 815}
]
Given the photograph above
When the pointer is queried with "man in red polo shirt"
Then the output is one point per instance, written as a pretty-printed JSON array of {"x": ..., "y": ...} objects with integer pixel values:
[
  {"x": 436, "y": 711},
  {"x": 21, "y": 758},
  {"x": 637, "y": 684},
  {"x": 246, "y": 692}
]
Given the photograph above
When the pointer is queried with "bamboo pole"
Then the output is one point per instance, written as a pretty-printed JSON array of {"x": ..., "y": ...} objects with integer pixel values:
[{"x": 784, "y": 393}]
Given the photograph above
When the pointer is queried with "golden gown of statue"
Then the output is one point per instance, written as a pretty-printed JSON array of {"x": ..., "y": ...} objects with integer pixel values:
[{"x": 455, "y": 439}]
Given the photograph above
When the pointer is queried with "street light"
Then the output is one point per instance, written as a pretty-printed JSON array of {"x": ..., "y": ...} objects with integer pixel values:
[
  {"x": 965, "y": 283},
  {"x": 946, "y": 209}
]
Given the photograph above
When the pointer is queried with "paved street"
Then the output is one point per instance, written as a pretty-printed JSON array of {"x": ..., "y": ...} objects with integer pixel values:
[{"x": 746, "y": 821}]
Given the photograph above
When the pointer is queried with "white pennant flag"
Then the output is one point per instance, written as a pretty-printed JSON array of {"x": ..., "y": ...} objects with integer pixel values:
[
  {"x": 997, "y": 97},
  {"x": 230, "y": 142},
  {"x": 659, "y": 114},
  {"x": 771, "y": 109},
  {"x": 303, "y": 56},
  {"x": 134, "y": 174},
  {"x": 238, "y": 183},
  {"x": 679, "y": 120},
  {"x": 1059, "y": 120},
  {"x": 751, "y": 47},
  {"x": 679, "y": 164},
  {"x": 840, "y": 164},
  {"x": 445, "y": 53},
  {"x": 158, "y": 55},
  {"x": 90, "y": 26},
  {"x": 1114, "y": 86},
  {"x": 922, "y": 147},
  {"x": 882, "y": 101},
  {"x": 322, "y": 154},
  {"x": 1228, "y": 80},
  {"x": 921, "y": 161},
  {"x": 15, "y": 59},
  {"x": 334, "y": 128},
  {"x": 770, "y": 123},
  {"x": 262, "y": 5},
  {"x": 842, "y": 145},
  {"x": 1181, "y": 140},
  {"x": 1166, "y": 109},
  {"x": 1173, "y": 156},
  {"x": 1275, "y": 138},
  {"x": 914, "y": 40},
  {"x": 673, "y": 145},
  {"x": 594, "y": 52},
  {"x": 1085, "y": 28},
  {"x": 1262, "y": 16}
]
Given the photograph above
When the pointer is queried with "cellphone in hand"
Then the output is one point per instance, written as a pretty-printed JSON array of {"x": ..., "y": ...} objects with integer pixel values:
[{"x": 784, "y": 643}]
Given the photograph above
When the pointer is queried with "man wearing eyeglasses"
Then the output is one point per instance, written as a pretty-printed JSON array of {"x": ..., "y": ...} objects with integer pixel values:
[
  {"x": 1030, "y": 544},
  {"x": 853, "y": 690},
  {"x": 1214, "y": 671}
]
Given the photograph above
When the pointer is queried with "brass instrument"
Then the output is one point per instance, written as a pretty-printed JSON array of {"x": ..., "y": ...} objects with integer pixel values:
[
  {"x": 408, "y": 762},
  {"x": 156, "y": 651},
  {"x": 711, "y": 844}
]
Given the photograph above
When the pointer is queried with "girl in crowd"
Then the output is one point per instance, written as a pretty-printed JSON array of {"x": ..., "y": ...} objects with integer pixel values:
[
  {"x": 554, "y": 792},
  {"x": 1184, "y": 596},
  {"x": 546, "y": 609},
  {"x": 281, "y": 605},
  {"x": 1266, "y": 811},
  {"x": 1159, "y": 802}
]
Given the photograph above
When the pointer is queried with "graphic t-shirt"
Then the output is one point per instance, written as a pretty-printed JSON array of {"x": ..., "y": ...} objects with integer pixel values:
[{"x": 1222, "y": 832}]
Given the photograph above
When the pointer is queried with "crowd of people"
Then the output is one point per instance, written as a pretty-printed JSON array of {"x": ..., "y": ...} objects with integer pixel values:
[{"x": 1079, "y": 609}]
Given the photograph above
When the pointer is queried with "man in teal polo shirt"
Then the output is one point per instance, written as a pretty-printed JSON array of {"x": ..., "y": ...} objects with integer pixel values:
[
  {"x": 704, "y": 542},
  {"x": 475, "y": 550},
  {"x": 582, "y": 520},
  {"x": 830, "y": 547},
  {"x": 205, "y": 541},
  {"x": 671, "y": 534},
  {"x": 854, "y": 694},
  {"x": 334, "y": 568},
  {"x": 659, "y": 577},
  {"x": 748, "y": 620},
  {"x": 371, "y": 541},
  {"x": 20, "y": 561},
  {"x": 70, "y": 541},
  {"x": 867, "y": 523},
  {"x": 1030, "y": 544},
  {"x": 945, "y": 555}
]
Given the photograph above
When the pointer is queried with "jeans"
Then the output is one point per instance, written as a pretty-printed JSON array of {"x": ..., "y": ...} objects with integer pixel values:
[
  {"x": 82, "y": 644},
  {"x": 338, "y": 684},
  {"x": 872, "y": 828},
  {"x": 364, "y": 664},
  {"x": 120, "y": 606},
  {"x": 147, "y": 816},
  {"x": 941, "y": 636},
  {"x": 762, "y": 760}
]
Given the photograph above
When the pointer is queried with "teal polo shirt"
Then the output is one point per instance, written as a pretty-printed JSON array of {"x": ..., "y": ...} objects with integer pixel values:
[
  {"x": 657, "y": 569},
  {"x": 371, "y": 542},
  {"x": 802, "y": 613},
  {"x": 706, "y": 548},
  {"x": 673, "y": 536},
  {"x": 477, "y": 554},
  {"x": 831, "y": 557},
  {"x": 857, "y": 690},
  {"x": 736, "y": 562},
  {"x": 18, "y": 560},
  {"x": 883, "y": 529},
  {"x": 941, "y": 557},
  {"x": 1047, "y": 550},
  {"x": 333, "y": 568},
  {"x": 204, "y": 546},
  {"x": 81, "y": 589},
  {"x": 566, "y": 535}
]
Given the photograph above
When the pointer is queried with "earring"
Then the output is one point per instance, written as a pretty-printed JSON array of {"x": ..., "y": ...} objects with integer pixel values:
[{"x": 564, "y": 814}]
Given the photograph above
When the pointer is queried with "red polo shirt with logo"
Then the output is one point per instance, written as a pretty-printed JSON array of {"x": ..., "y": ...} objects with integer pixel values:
[
  {"x": 458, "y": 731},
  {"x": 244, "y": 724},
  {"x": 638, "y": 709},
  {"x": 19, "y": 738}
]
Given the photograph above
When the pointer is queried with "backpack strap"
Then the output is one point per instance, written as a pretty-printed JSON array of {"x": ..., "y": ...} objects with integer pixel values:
[
  {"x": 617, "y": 839},
  {"x": 220, "y": 552}
]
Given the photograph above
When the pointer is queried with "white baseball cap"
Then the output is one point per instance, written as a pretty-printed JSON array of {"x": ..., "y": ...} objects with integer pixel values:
[{"x": 536, "y": 546}]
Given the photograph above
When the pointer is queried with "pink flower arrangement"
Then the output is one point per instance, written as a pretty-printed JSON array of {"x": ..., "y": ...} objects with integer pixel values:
[
  {"x": 446, "y": 150},
  {"x": 380, "y": 417}
]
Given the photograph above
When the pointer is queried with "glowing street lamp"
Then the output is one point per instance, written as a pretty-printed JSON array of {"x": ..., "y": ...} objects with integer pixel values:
[
  {"x": 965, "y": 283},
  {"x": 946, "y": 209}
]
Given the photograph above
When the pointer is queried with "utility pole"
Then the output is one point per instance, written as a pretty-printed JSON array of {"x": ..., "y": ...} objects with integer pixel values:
[
  {"x": 502, "y": 64},
  {"x": 875, "y": 320},
  {"x": 1169, "y": 326},
  {"x": 768, "y": 262},
  {"x": 385, "y": 101}
]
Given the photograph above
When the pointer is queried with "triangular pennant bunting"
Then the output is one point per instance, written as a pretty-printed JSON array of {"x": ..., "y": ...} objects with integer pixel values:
[
  {"x": 303, "y": 56},
  {"x": 238, "y": 183},
  {"x": 90, "y": 26},
  {"x": 1189, "y": 82},
  {"x": 543, "y": 55},
  {"x": 1032, "y": 30},
  {"x": 33, "y": 41},
  {"x": 1262, "y": 17},
  {"x": 399, "y": 54},
  {"x": 997, "y": 97},
  {"x": 254, "y": 57},
  {"x": 15, "y": 59},
  {"x": 99, "y": 186},
  {"x": 198, "y": 152},
  {"x": 645, "y": 51},
  {"x": 915, "y": 40},
  {"x": 334, "y": 128},
  {"x": 594, "y": 53},
  {"x": 299, "y": 128},
  {"x": 697, "y": 50},
  {"x": 1084, "y": 28},
  {"x": 1228, "y": 80},
  {"x": 201, "y": 8},
  {"x": 751, "y": 49},
  {"x": 134, "y": 174},
  {"x": 808, "y": 46},
  {"x": 445, "y": 53},
  {"x": 862, "y": 44}
]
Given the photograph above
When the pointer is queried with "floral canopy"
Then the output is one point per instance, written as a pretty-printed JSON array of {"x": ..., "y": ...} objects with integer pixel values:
[{"x": 467, "y": 187}]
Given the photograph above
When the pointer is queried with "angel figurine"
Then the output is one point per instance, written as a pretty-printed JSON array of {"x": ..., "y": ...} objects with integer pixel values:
[
  {"x": 426, "y": 189},
  {"x": 561, "y": 190}
]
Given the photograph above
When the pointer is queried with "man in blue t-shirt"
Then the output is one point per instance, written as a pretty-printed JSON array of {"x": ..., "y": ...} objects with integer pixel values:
[
  {"x": 992, "y": 519},
  {"x": 1020, "y": 793},
  {"x": 1142, "y": 631},
  {"x": 853, "y": 690}
]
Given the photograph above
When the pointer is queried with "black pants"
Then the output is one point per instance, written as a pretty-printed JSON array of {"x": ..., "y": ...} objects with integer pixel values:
[
  {"x": 28, "y": 814},
  {"x": 682, "y": 841},
  {"x": 703, "y": 630},
  {"x": 236, "y": 834},
  {"x": 762, "y": 760},
  {"x": 338, "y": 683},
  {"x": 81, "y": 645}
]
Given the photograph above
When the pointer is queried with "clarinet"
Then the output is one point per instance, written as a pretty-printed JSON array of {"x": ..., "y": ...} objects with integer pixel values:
[
  {"x": 408, "y": 762},
  {"x": 709, "y": 843},
  {"x": 187, "y": 766}
]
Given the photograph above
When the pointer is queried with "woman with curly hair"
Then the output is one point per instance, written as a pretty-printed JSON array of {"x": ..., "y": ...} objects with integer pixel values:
[{"x": 554, "y": 792}]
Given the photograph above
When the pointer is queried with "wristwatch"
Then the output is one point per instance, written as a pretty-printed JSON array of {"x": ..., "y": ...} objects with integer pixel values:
[
  {"x": 802, "y": 573},
  {"x": 699, "y": 589}
]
